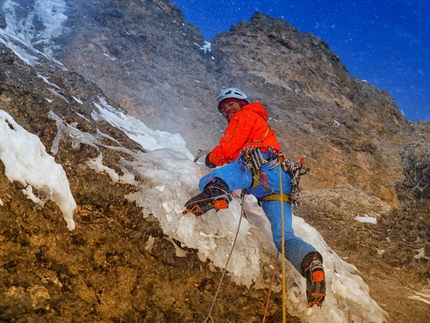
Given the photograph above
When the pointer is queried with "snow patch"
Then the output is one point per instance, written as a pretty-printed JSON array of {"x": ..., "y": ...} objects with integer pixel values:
[
  {"x": 206, "y": 48},
  {"x": 421, "y": 254},
  {"x": 366, "y": 219},
  {"x": 77, "y": 100},
  {"x": 21, "y": 35},
  {"x": 136, "y": 130},
  {"x": 421, "y": 297},
  {"x": 27, "y": 162}
]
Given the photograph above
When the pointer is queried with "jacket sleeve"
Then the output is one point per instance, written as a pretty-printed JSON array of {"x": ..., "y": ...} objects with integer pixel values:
[{"x": 233, "y": 139}]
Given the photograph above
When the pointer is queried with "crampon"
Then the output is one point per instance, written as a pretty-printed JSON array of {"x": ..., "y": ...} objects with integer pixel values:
[
  {"x": 212, "y": 198},
  {"x": 315, "y": 284}
]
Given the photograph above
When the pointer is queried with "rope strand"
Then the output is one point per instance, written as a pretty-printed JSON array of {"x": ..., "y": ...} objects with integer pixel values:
[
  {"x": 225, "y": 268},
  {"x": 284, "y": 285},
  {"x": 270, "y": 288}
]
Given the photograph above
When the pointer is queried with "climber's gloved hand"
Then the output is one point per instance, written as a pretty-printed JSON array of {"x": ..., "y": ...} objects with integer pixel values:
[{"x": 208, "y": 163}]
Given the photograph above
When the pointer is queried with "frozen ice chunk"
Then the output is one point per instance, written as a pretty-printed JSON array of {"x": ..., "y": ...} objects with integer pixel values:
[{"x": 27, "y": 162}]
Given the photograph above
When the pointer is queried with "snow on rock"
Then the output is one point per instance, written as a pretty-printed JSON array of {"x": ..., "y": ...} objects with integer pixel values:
[
  {"x": 21, "y": 35},
  {"x": 165, "y": 177},
  {"x": 366, "y": 219},
  {"x": 27, "y": 162},
  {"x": 138, "y": 131}
]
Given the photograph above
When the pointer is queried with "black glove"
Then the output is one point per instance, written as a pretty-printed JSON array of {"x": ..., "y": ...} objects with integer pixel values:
[{"x": 208, "y": 163}]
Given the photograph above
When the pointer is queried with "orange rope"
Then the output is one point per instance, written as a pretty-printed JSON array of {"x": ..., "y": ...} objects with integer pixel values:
[{"x": 270, "y": 288}]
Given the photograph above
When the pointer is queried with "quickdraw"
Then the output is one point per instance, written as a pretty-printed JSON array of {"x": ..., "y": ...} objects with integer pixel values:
[
  {"x": 295, "y": 173},
  {"x": 254, "y": 160}
]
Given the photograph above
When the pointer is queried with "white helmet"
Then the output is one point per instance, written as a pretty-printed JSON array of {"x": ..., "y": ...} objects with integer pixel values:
[{"x": 231, "y": 92}]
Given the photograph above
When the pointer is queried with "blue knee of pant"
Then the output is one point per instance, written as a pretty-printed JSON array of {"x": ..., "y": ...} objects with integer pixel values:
[
  {"x": 235, "y": 177},
  {"x": 295, "y": 248}
]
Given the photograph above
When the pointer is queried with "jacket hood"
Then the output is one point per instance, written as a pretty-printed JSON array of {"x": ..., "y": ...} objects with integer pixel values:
[{"x": 258, "y": 108}]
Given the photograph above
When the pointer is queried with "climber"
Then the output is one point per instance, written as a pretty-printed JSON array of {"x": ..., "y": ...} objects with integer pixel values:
[{"x": 250, "y": 155}]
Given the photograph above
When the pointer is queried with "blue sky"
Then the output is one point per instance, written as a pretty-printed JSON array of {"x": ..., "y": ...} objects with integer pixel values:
[{"x": 386, "y": 43}]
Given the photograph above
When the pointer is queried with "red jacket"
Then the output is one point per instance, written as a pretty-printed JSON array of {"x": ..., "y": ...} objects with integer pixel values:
[{"x": 247, "y": 128}]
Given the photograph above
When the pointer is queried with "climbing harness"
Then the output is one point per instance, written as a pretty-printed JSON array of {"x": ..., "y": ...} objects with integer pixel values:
[
  {"x": 277, "y": 197},
  {"x": 253, "y": 160}
]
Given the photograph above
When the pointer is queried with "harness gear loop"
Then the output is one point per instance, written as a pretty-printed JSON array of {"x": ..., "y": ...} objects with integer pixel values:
[{"x": 277, "y": 197}]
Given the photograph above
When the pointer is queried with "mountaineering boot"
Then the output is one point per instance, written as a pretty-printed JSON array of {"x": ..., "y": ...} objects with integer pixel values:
[
  {"x": 214, "y": 196},
  {"x": 312, "y": 269}
]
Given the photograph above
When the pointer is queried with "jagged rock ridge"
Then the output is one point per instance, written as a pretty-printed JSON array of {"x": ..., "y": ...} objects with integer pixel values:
[{"x": 348, "y": 129}]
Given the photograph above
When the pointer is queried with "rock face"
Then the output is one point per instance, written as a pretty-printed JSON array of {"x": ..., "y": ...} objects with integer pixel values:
[
  {"x": 320, "y": 110},
  {"x": 145, "y": 58},
  {"x": 105, "y": 270},
  {"x": 409, "y": 227},
  {"x": 150, "y": 60},
  {"x": 348, "y": 130}
]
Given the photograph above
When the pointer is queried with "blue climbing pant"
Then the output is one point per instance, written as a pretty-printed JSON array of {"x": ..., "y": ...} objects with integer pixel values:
[{"x": 237, "y": 177}]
